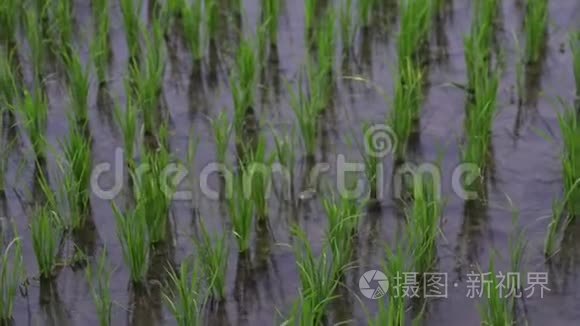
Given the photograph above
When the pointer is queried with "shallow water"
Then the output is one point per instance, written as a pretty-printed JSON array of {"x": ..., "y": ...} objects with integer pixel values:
[{"x": 527, "y": 172}]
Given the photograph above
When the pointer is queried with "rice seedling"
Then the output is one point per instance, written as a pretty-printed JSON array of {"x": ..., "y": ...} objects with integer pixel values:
[
  {"x": 99, "y": 280},
  {"x": 347, "y": 26},
  {"x": 536, "y": 28},
  {"x": 241, "y": 210},
  {"x": 575, "y": 46},
  {"x": 286, "y": 156},
  {"x": 222, "y": 130},
  {"x": 424, "y": 219},
  {"x": 393, "y": 313},
  {"x": 570, "y": 129},
  {"x": 8, "y": 84},
  {"x": 131, "y": 12},
  {"x": 259, "y": 173},
  {"x": 127, "y": 121},
  {"x": 133, "y": 235},
  {"x": 213, "y": 256},
  {"x": 184, "y": 296},
  {"x": 271, "y": 14},
  {"x": 406, "y": 105},
  {"x": 477, "y": 47},
  {"x": 9, "y": 20},
  {"x": 212, "y": 15},
  {"x": 306, "y": 109},
  {"x": 372, "y": 161},
  {"x": 100, "y": 50},
  {"x": 36, "y": 44},
  {"x": 154, "y": 193},
  {"x": 310, "y": 12},
  {"x": 11, "y": 276},
  {"x": 78, "y": 88},
  {"x": 148, "y": 79},
  {"x": 318, "y": 282},
  {"x": 416, "y": 16},
  {"x": 46, "y": 231},
  {"x": 365, "y": 10},
  {"x": 34, "y": 111},
  {"x": 558, "y": 218},
  {"x": 192, "y": 28},
  {"x": 77, "y": 175},
  {"x": 64, "y": 26},
  {"x": 497, "y": 308},
  {"x": 326, "y": 45},
  {"x": 243, "y": 81},
  {"x": 343, "y": 220}
]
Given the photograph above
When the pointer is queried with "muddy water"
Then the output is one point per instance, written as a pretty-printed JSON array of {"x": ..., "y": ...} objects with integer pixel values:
[{"x": 526, "y": 172}]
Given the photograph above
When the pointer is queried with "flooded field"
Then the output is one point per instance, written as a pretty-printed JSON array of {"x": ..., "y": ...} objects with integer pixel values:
[{"x": 209, "y": 87}]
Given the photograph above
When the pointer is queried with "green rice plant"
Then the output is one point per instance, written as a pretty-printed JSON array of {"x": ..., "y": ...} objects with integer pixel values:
[
  {"x": 34, "y": 111},
  {"x": 310, "y": 12},
  {"x": 127, "y": 121},
  {"x": 347, "y": 26},
  {"x": 318, "y": 282},
  {"x": 100, "y": 49},
  {"x": 131, "y": 12},
  {"x": 406, "y": 104},
  {"x": 154, "y": 193},
  {"x": 78, "y": 88},
  {"x": 9, "y": 19},
  {"x": 536, "y": 28},
  {"x": 99, "y": 280},
  {"x": 372, "y": 161},
  {"x": 416, "y": 16},
  {"x": 212, "y": 15},
  {"x": 8, "y": 84},
  {"x": 258, "y": 168},
  {"x": 64, "y": 26},
  {"x": 326, "y": 45},
  {"x": 192, "y": 28},
  {"x": 271, "y": 14},
  {"x": 133, "y": 233},
  {"x": 570, "y": 129},
  {"x": 477, "y": 47},
  {"x": 365, "y": 10},
  {"x": 213, "y": 253},
  {"x": 343, "y": 220},
  {"x": 306, "y": 110},
  {"x": 241, "y": 210},
  {"x": 77, "y": 175},
  {"x": 497, "y": 308},
  {"x": 557, "y": 221},
  {"x": 12, "y": 274},
  {"x": 243, "y": 82},
  {"x": 36, "y": 44},
  {"x": 148, "y": 79},
  {"x": 575, "y": 46},
  {"x": 286, "y": 156},
  {"x": 46, "y": 231},
  {"x": 184, "y": 296},
  {"x": 393, "y": 313},
  {"x": 222, "y": 130},
  {"x": 424, "y": 220}
]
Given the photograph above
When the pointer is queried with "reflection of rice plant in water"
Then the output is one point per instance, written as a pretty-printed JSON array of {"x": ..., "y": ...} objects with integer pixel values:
[
  {"x": 424, "y": 219},
  {"x": 99, "y": 280},
  {"x": 133, "y": 235},
  {"x": 77, "y": 174},
  {"x": 45, "y": 230},
  {"x": 536, "y": 28},
  {"x": 406, "y": 104},
  {"x": 184, "y": 296},
  {"x": 570, "y": 129},
  {"x": 212, "y": 253},
  {"x": 240, "y": 209},
  {"x": 12, "y": 274}
]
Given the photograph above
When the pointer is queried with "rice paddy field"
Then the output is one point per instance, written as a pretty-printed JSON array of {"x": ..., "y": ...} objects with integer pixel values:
[{"x": 243, "y": 162}]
